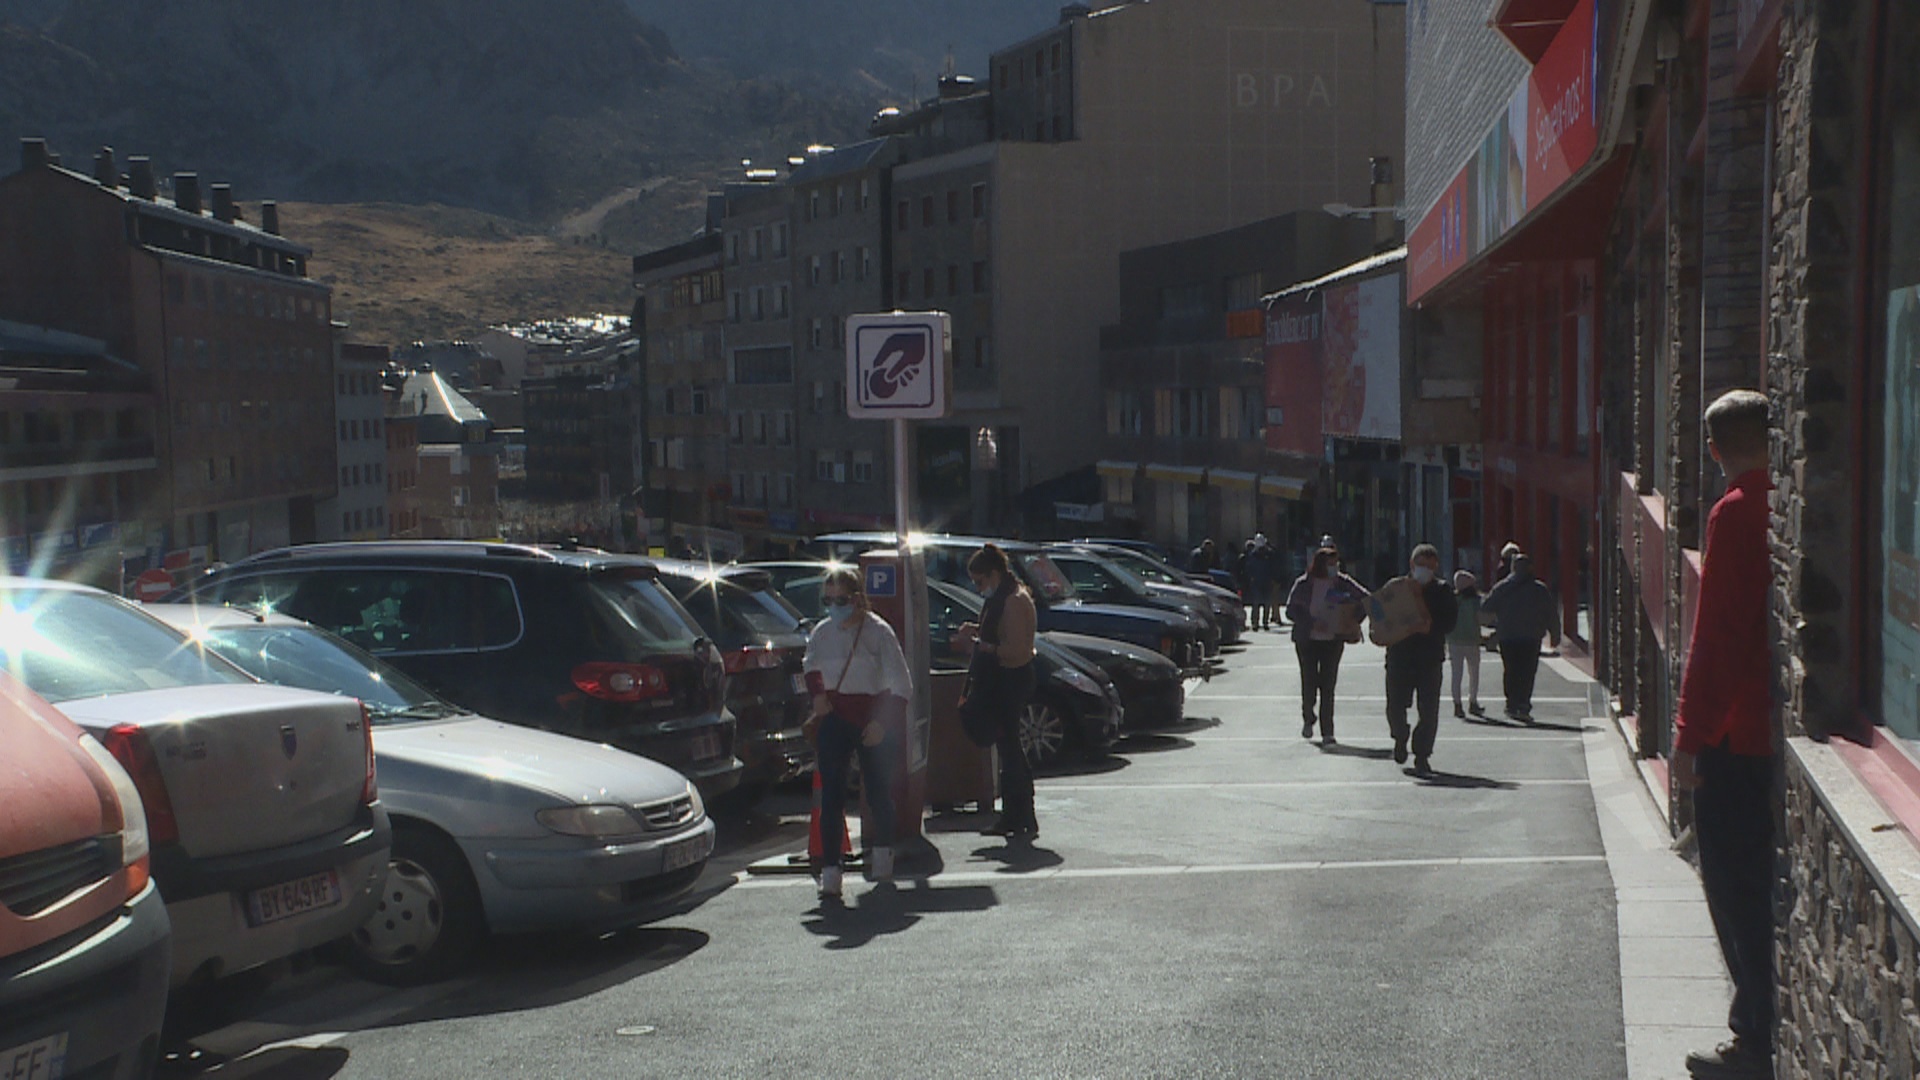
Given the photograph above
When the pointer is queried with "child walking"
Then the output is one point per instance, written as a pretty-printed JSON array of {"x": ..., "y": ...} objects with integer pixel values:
[{"x": 1463, "y": 642}]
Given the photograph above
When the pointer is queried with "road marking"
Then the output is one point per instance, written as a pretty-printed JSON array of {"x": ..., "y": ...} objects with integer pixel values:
[
  {"x": 1080, "y": 873},
  {"x": 1342, "y": 699},
  {"x": 1548, "y": 735},
  {"x": 1282, "y": 784}
]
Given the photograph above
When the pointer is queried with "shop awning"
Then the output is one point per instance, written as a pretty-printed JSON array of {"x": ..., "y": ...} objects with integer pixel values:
[
  {"x": 1178, "y": 474},
  {"x": 1283, "y": 486},
  {"x": 1530, "y": 24},
  {"x": 1232, "y": 479},
  {"x": 1122, "y": 469}
]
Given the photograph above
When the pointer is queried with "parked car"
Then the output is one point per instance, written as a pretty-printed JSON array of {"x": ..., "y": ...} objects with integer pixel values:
[
  {"x": 1075, "y": 709},
  {"x": 1150, "y": 685},
  {"x": 763, "y": 647},
  {"x": 581, "y": 643},
  {"x": 84, "y": 949},
  {"x": 496, "y": 828},
  {"x": 1177, "y": 636},
  {"x": 263, "y": 815},
  {"x": 1104, "y": 581},
  {"x": 1229, "y": 609},
  {"x": 1220, "y": 579}
]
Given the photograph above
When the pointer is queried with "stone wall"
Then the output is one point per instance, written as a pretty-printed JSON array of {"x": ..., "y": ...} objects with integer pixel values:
[{"x": 1848, "y": 969}]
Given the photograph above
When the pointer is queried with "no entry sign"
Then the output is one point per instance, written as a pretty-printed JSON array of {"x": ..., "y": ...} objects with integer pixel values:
[{"x": 152, "y": 586}]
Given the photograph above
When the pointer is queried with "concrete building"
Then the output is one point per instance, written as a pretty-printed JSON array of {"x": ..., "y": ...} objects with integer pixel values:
[
  {"x": 1659, "y": 203},
  {"x": 403, "y": 475},
  {"x": 216, "y": 311},
  {"x": 1129, "y": 127},
  {"x": 760, "y": 404},
  {"x": 359, "y": 510},
  {"x": 455, "y": 483},
  {"x": 683, "y": 469},
  {"x": 80, "y": 482}
]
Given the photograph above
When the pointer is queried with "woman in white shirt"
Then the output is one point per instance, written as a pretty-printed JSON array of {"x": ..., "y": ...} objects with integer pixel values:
[{"x": 858, "y": 677}]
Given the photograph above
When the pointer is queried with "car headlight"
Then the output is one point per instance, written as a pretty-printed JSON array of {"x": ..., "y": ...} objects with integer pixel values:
[
  {"x": 1079, "y": 680},
  {"x": 1139, "y": 669},
  {"x": 592, "y": 821},
  {"x": 699, "y": 804}
]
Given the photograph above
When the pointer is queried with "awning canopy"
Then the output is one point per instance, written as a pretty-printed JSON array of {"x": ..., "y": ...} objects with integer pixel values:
[
  {"x": 1229, "y": 478},
  {"x": 1122, "y": 469},
  {"x": 1178, "y": 474},
  {"x": 1530, "y": 24},
  {"x": 1284, "y": 487}
]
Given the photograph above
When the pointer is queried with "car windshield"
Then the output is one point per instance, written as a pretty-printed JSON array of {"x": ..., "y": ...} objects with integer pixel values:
[
  {"x": 737, "y": 617},
  {"x": 1143, "y": 567},
  {"x": 69, "y": 645},
  {"x": 311, "y": 659},
  {"x": 1044, "y": 577},
  {"x": 641, "y": 603}
]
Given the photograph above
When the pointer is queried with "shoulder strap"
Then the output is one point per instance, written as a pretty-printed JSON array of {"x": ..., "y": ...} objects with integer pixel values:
[{"x": 851, "y": 650}]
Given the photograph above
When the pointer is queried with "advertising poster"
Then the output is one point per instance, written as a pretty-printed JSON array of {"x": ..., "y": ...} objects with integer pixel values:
[
  {"x": 1563, "y": 106},
  {"x": 1294, "y": 332},
  {"x": 1900, "y": 519},
  {"x": 1361, "y": 360}
]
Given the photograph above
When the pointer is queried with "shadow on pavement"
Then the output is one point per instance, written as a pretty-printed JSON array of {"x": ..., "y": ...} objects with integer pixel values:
[
  {"x": 1537, "y": 725},
  {"x": 1085, "y": 767},
  {"x": 538, "y": 970},
  {"x": 1188, "y": 726},
  {"x": 1151, "y": 744},
  {"x": 890, "y": 909},
  {"x": 280, "y": 1063},
  {"x": 1020, "y": 856},
  {"x": 1340, "y": 749},
  {"x": 1462, "y": 780}
]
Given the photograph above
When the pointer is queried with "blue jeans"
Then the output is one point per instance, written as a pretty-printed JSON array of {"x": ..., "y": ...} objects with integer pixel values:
[{"x": 839, "y": 741}]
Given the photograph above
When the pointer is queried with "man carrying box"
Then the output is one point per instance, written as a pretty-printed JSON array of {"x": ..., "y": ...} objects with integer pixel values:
[{"x": 1417, "y": 657}]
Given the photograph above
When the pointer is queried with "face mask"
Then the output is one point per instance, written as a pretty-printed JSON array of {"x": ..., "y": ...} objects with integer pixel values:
[
  {"x": 1422, "y": 574},
  {"x": 841, "y": 611}
]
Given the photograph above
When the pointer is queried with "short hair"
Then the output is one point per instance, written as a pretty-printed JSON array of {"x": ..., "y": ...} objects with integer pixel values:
[
  {"x": 1426, "y": 551},
  {"x": 1738, "y": 423},
  {"x": 1523, "y": 563}
]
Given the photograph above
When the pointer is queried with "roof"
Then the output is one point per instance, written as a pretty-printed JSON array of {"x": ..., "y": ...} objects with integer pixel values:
[
  {"x": 161, "y": 207},
  {"x": 1360, "y": 269},
  {"x": 840, "y": 162},
  {"x": 436, "y": 398},
  {"x": 706, "y": 244}
]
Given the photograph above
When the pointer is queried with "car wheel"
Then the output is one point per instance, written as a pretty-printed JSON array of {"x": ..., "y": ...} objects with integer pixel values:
[
  {"x": 429, "y": 916},
  {"x": 1044, "y": 732}
]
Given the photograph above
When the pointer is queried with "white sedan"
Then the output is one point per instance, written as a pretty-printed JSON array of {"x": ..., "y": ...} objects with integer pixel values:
[{"x": 495, "y": 827}]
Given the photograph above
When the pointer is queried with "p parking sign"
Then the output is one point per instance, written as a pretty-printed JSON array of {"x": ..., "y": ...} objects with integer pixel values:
[
  {"x": 883, "y": 582},
  {"x": 898, "y": 365}
]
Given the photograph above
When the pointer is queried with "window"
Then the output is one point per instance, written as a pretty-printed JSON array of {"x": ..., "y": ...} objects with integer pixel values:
[
  {"x": 759, "y": 489},
  {"x": 759, "y": 302},
  {"x": 839, "y": 199},
  {"x": 1180, "y": 303},
  {"x": 926, "y": 210},
  {"x": 770, "y": 365},
  {"x": 953, "y": 207},
  {"x": 864, "y": 268},
  {"x": 733, "y": 306},
  {"x": 866, "y": 192},
  {"x": 813, "y": 270},
  {"x": 816, "y": 332},
  {"x": 823, "y": 466},
  {"x": 980, "y": 276},
  {"x": 926, "y": 282},
  {"x": 953, "y": 280},
  {"x": 1125, "y": 416},
  {"x": 780, "y": 240},
  {"x": 756, "y": 242},
  {"x": 783, "y": 491},
  {"x": 982, "y": 353},
  {"x": 1897, "y": 551},
  {"x": 903, "y": 212},
  {"x": 862, "y": 466},
  {"x": 979, "y": 202},
  {"x": 819, "y": 400},
  {"x": 760, "y": 429},
  {"x": 839, "y": 267},
  {"x": 783, "y": 428},
  {"x": 1055, "y": 53},
  {"x": 736, "y": 428},
  {"x": 1243, "y": 292},
  {"x": 813, "y": 205},
  {"x": 780, "y": 301},
  {"x": 697, "y": 402}
]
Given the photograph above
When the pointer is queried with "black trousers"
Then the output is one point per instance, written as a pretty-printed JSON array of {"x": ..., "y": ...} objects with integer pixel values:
[
  {"x": 1733, "y": 820},
  {"x": 1519, "y": 667},
  {"x": 1415, "y": 683},
  {"x": 1319, "y": 671},
  {"x": 1013, "y": 688}
]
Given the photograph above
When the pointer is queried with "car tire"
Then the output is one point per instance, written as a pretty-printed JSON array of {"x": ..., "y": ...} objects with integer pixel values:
[
  {"x": 429, "y": 918},
  {"x": 1047, "y": 732}
]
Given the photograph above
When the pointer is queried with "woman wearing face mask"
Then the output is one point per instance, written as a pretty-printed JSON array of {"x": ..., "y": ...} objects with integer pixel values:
[
  {"x": 858, "y": 675},
  {"x": 1323, "y": 624},
  {"x": 1002, "y": 675}
]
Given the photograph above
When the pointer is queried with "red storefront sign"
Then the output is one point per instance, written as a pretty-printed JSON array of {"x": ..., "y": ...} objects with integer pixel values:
[
  {"x": 1438, "y": 245},
  {"x": 1563, "y": 106},
  {"x": 1294, "y": 331}
]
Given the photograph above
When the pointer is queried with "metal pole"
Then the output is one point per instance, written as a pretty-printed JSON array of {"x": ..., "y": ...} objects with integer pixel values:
[{"x": 902, "y": 496}]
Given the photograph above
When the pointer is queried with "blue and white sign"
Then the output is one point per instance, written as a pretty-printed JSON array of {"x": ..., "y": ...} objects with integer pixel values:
[
  {"x": 898, "y": 365},
  {"x": 883, "y": 581}
]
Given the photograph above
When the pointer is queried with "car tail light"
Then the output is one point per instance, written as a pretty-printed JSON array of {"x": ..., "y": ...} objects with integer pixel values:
[
  {"x": 763, "y": 657},
  {"x": 130, "y": 747},
  {"x": 370, "y": 790},
  {"x": 621, "y": 682}
]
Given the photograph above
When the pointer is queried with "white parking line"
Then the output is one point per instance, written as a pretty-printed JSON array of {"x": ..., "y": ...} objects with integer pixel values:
[
  {"x": 1255, "y": 785},
  {"x": 1076, "y": 873},
  {"x": 1342, "y": 699},
  {"x": 1548, "y": 735}
]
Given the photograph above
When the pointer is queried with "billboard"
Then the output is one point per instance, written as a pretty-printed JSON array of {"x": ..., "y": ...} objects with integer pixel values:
[
  {"x": 1293, "y": 374},
  {"x": 1360, "y": 358}
]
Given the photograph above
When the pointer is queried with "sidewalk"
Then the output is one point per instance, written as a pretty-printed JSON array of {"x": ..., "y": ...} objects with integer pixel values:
[{"x": 1673, "y": 985}]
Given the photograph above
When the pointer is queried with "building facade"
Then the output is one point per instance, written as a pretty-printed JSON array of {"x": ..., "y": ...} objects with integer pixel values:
[
  {"x": 359, "y": 510},
  {"x": 684, "y": 465},
  {"x": 760, "y": 402}
]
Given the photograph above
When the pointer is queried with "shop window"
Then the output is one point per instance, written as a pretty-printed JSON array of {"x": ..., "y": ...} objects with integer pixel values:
[{"x": 1898, "y": 577}]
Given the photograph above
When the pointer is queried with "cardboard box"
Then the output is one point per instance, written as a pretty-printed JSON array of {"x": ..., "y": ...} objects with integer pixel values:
[
  {"x": 1397, "y": 611},
  {"x": 1348, "y": 610}
]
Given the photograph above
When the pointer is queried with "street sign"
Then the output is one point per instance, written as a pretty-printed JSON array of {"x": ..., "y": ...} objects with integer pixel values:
[
  {"x": 882, "y": 581},
  {"x": 898, "y": 365},
  {"x": 152, "y": 586}
]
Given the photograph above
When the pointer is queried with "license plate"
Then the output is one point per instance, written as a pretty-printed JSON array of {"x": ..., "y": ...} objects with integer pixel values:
[
  {"x": 800, "y": 684},
  {"x": 43, "y": 1059},
  {"x": 684, "y": 853},
  {"x": 706, "y": 745},
  {"x": 297, "y": 897}
]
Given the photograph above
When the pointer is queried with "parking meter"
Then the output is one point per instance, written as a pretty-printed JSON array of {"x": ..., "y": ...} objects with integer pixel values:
[{"x": 897, "y": 590}]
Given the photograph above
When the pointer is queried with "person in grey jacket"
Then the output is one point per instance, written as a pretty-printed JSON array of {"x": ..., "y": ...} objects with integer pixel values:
[{"x": 1524, "y": 612}]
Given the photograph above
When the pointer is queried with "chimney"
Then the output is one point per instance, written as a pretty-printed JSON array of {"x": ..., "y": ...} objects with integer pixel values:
[
  {"x": 140, "y": 177},
  {"x": 270, "y": 217},
  {"x": 222, "y": 195},
  {"x": 186, "y": 191},
  {"x": 105, "y": 172},
  {"x": 33, "y": 154}
]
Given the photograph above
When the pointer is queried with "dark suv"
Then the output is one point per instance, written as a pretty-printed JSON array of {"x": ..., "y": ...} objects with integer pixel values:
[
  {"x": 764, "y": 647},
  {"x": 582, "y": 643}
]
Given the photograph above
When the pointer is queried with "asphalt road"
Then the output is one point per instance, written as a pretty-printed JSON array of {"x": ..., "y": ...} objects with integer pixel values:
[{"x": 1225, "y": 900}]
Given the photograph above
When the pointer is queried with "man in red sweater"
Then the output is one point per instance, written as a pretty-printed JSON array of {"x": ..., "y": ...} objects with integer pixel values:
[{"x": 1723, "y": 746}]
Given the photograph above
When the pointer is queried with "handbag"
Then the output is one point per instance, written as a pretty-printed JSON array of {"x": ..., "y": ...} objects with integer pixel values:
[
  {"x": 811, "y": 729},
  {"x": 978, "y": 718}
]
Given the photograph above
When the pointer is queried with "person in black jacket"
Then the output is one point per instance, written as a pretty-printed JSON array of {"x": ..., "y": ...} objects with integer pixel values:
[{"x": 1416, "y": 663}]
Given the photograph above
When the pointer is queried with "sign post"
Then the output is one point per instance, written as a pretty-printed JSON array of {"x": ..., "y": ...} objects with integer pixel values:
[{"x": 899, "y": 369}]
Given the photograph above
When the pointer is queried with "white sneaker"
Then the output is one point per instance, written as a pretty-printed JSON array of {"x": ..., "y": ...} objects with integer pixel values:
[
  {"x": 881, "y": 860},
  {"x": 830, "y": 881}
]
